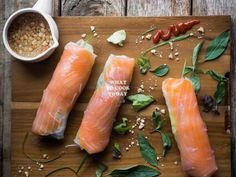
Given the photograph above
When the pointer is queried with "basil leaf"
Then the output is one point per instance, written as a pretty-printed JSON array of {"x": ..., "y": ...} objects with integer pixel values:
[
  {"x": 216, "y": 76},
  {"x": 220, "y": 92},
  {"x": 217, "y": 46},
  {"x": 161, "y": 70},
  {"x": 116, "y": 152},
  {"x": 135, "y": 171},
  {"x": 158, "y": 123},
  {"x": 140, "y": 101},
  {"x": 187, "y": 69},
  {"x": 122, "y": 128},
  {"x": 196, "y": 81},
  {"x": 196, "y": 51},
  {"x": 117, "y": 37},
  {"x": 101, "y": 167},
  {"x": 166, "y": 143},
  {"x": 147, "y": 151},
  {"x": 155, "y": 118},
  {"x": 144, "y": 64}
]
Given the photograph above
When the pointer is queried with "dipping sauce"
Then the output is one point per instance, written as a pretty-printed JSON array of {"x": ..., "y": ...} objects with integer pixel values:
[{"x": 29, "y": 35}]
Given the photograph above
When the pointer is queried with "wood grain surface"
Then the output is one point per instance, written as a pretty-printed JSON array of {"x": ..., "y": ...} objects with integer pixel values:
[
  {"x": 221, "y": 7},
  {"x": 158, "y": 8},
  {"x": 196, "y": 7},
  {"x": 29, "y": 81}
]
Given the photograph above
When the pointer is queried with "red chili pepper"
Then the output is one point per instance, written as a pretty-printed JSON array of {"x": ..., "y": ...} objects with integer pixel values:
[{"x": 177, "y": 29}]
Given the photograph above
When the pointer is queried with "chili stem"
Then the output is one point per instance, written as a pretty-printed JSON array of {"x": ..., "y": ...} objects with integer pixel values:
[
  {"x": 84, "y": 159},
  {"x": 179, "y": 38},
  {"x": 59, "y": 169},
  {"x": 152, "y": 28}
]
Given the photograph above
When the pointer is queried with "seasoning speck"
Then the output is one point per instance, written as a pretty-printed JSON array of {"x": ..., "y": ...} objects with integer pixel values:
[
  {"x": 84, "y": 35},
  {"x": 148, "y": 36},
  {"x": 92, "y": 28}
]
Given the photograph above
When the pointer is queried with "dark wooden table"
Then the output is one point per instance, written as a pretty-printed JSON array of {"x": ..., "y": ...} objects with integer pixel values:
[{"x": 110, "y": 8}]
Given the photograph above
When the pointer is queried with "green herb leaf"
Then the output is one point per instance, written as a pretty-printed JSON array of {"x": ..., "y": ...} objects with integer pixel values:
[
  {"x": 196, "y": 81},
  {"x": 187, "y": 69},
  {"x": 101, "y": 167},
  {"x": 117, "y": 37},
  {"x": 217, "y": 46},
  {"x": 161, "y": 70},
  {"x": 216, "y": 76},
  {"x": 135, "y": 171},
  {"x": 220, "y": 92},
  {"x": 123, "y": 127},
  {"x": 140, "y": 101},
  {"x": 144, "y": 64},
  {"x": 147, "y": 151},
  {"x": 116, "y": 152},
  {"x": 166, "y": 143},
  {"x": 196, "y": 51},
  {"x": 158, "y": 123}
]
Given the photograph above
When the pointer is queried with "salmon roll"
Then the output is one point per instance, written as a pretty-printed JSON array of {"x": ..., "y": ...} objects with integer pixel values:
[
  {"x": 197, "y": 156},
  {"x": 112, "y": 86},
  {"x": 68, "y": 80}
]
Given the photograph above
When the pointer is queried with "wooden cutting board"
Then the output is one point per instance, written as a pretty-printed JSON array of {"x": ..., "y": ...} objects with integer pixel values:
[{"x": 29, "y": 81}]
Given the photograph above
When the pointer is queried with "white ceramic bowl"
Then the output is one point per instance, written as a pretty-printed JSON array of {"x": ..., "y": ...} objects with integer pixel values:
[{"x": 45, "y": 10}]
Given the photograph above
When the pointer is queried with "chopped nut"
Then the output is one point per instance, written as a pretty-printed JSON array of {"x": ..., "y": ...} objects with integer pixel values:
[
  {"x": 191, "y": 34},
  {"x": 95, "y": 34},
  {"x": 136, "y": 41},
  {"x": 201, "y": 29},
  {"x": 45, "y": 156},
  {"x": 170, "y": 56},
  {"x": 41, "y": 166},
  {"x": 141, "y": 126},
  {"x": 127, "y": 149},
  {"x": 177, "y": 59},
  {"x": 142, "y": 37},
  {"x": 158, "y": 158},
  {"x": 26, "y": 174},
  {"x": 162, "y": 165},
  {"x": 171, "y": 45},
  {"x": 83, "y": 35},
  {"x": 176, "y": 53},
  {"x": 153, "y": 51},
  {"x": 176, "y": 162},
  {"x": 160, "y": 55},
  {"x": 19, "y": 171},
  {"x": 92, "y": 28},
  {"x": 148, "y": 36},
  {"x": 163, "y": 111}
]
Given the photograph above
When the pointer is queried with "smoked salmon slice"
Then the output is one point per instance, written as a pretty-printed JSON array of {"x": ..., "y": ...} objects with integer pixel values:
[
  {"x": 68, "y": 81},
  {"x": 95, "y": 129},
  {"x": 190, "y": 131}
]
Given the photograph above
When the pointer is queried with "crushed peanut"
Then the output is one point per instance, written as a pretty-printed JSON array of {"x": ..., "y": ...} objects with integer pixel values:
[{"x": 29, "y": 35}]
